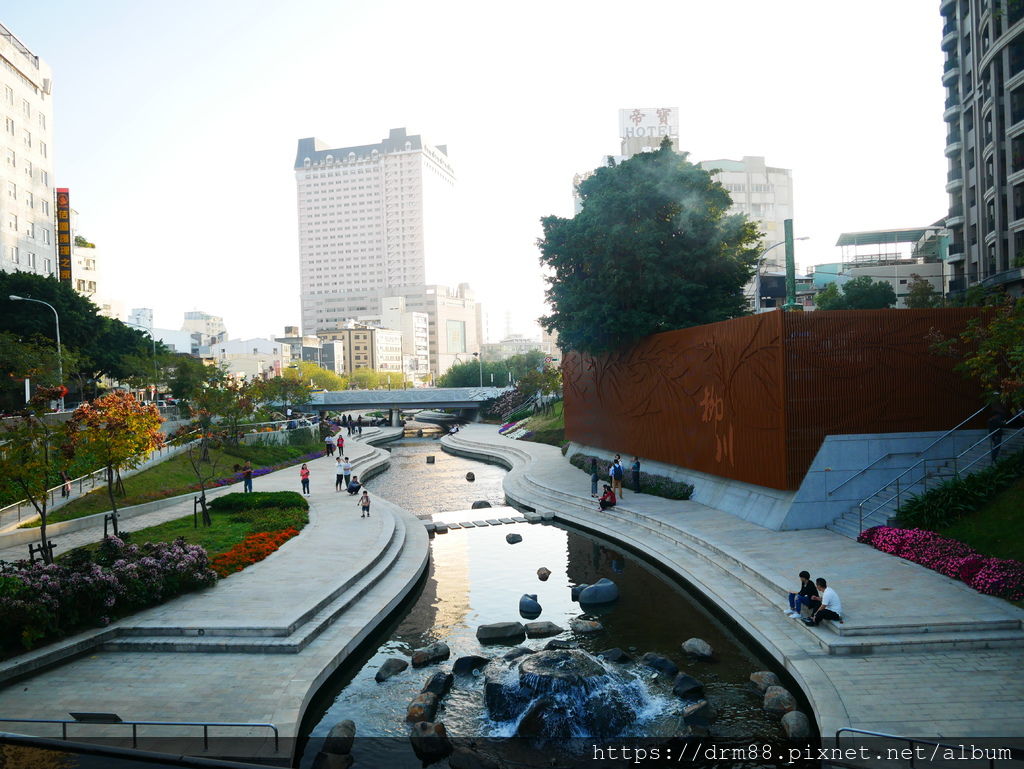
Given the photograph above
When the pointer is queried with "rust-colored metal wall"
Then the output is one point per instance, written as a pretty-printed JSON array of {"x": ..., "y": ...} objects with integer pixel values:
[{"x": 753, "y": 398}]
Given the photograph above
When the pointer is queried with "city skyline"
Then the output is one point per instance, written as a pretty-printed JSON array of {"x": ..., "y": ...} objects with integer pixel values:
[{"x": 185, "y": 158}]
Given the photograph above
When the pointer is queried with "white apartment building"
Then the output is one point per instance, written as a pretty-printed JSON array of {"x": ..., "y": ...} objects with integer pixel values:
[
  {"x": 252, "y": 358},
  {"x": 27, "y": 231},
  {"x": 367, "y": 346},
  {"x": 371, "y": 218},
  {"x": 415, "y": 328},
  {"x": 763, "y": 193},
  {"x": 211, "y": 328},
  {"x": 141, "y": 316}
]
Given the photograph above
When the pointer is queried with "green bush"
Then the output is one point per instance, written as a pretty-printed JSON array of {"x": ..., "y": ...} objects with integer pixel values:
[
  {"x": 264, "y": 519},
  {"x": 655, "y": 485},
  {"x": 258, "y": 500},
  {"x": 955, "y": 498}
]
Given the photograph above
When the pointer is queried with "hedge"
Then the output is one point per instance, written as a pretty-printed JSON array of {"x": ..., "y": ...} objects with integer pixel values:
[
  {"x": 258, "y": 500},
  {"x": 656, "y": 485}
]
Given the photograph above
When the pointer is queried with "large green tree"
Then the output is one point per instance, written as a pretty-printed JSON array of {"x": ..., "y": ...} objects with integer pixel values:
[
  {"x": 653, "y": 248},
  {"x": 861, "y": 293},
  {"x": 468, "y": 373}
]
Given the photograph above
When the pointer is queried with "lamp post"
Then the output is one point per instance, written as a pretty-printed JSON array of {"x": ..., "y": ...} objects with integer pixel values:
[
  {"x": 153, "y": 340},
  {"x": 480, "y": 362},
  {"x": 56, "y": 317},
  {"x": 760, "y": 266}
]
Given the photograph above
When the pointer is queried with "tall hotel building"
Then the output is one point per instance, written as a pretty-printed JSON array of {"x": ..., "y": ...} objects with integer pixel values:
[
  {"x": 984, "y": 77},
  {"x": 27, "y": 231},
  {"x": 370, "y": 218}
]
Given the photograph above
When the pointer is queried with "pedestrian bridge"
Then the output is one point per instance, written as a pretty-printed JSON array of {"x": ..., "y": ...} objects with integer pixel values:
[{"x": 416, "y": 398}]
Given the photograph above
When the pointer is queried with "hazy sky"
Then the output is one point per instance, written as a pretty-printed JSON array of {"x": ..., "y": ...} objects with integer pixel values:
[{"x": 176, "y": 123}]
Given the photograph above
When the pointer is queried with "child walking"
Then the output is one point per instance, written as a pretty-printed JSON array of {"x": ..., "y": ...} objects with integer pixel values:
[{"x": 364, "y": 502}]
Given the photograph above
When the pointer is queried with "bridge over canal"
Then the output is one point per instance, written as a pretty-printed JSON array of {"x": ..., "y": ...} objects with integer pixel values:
[{"x": 465, "y": 399}]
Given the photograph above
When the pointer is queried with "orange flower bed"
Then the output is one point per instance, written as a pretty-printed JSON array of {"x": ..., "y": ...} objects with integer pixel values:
[{"x": 252, "y": 549}]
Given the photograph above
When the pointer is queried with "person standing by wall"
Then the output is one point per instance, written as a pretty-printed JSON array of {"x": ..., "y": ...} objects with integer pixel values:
[
  {"x": 615, "y": 472},
  {"x": 594, "y": 477},
  {"x": 636, "y": 474}
]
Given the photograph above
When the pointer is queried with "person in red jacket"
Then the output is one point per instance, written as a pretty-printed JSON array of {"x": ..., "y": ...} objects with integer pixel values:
[{"x": 607, "y": 499}]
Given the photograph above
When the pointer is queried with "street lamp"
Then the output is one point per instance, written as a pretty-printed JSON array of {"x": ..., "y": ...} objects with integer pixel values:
[
  {"x": 60, "y": 364},
  {"x": 760, "y": 266},
  {"x": 153, "y": 340},
  {"x": 480, "y": 362}
]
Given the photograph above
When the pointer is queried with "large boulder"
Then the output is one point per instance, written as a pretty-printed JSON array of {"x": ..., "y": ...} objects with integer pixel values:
[
  {"x": 390, "y": 667},
  {"x": 542, "y": 629},
  {"x": 513, "y": 538},
  {"x": 762, "y": 679},
  {"x": 796, "y": 726},
  {"x": 660, "y": 663},
  {"x": 501, "y": 633},
  {"x": 556, "y": 643},
  {"x": 699, "y": 648},
  {"x": 517, "y": 652},
  {"x": 576, "y": 590},
  {"x": 428, "y": 655},
  {"x": 602, "y": 591},
  {"x": 615, "y": 655},
  {"x": 423, "y": 708},
  {"x": 332, "y": 760},
  {"x": 543, "y": 573},
  {"x": 578, "y": 625},
  {"x": 480, "y": 504},
  {"x": 430, "y": 741},
  {"x": 528, "y": 606},
  {"x": 439, "y": 684},
  {"x": 465, "y": 665},
  {"x": 687, "y": 687},
  {"x": 778, "y": 701},
  {"x": 339, "y": 739}
]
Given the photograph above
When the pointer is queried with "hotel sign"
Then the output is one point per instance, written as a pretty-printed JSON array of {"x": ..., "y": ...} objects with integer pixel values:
[
  {"x": 63, "y": 235},
  {"x": 649, "y": 122}
]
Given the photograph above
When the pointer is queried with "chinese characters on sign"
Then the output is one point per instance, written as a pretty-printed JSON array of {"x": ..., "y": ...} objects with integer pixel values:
[
  {"x": 63, "y": 235},
  {"x": 713, "y": 410},
  {"x": 649, "y": 122}
]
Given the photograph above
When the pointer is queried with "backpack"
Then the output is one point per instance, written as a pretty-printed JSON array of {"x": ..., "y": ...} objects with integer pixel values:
[{"x": 617, "y": 472}]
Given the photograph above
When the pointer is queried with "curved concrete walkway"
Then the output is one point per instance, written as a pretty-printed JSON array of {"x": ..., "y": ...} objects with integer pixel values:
[
  {"x": 919, "y": 654},
  {"x": 268, "y": 636}
]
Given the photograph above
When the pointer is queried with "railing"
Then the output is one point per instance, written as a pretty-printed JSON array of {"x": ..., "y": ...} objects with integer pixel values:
[
  {"x": 64, "y": 722},
  {"x": 905, "y": 487},
  {"x": 893, "y": 453},
  {"x": 1004, "y": 754},
  {"x": 950, "y": 64}
]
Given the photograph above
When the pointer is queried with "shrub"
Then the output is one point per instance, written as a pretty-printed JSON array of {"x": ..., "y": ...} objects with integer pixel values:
[
  {"x": 258, "y": 500},
  {"x": 656, "y": 485},
  {"x": 992, "y": 576}
]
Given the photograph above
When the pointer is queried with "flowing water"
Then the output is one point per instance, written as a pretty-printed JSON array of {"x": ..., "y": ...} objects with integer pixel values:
[{"x": 476, "y": 577}]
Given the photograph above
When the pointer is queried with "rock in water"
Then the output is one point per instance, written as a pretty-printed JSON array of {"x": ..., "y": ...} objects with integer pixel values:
[
  {"x": 687, "y": 687},
  {"x": 585, "y": 626},
  {"x": 602, "y": 591},
  {"x": 576, "y": 590},
  {"x": 430, "y": 460},
  {"x": 438, "y": 684},
  {"x": 796, "y": 726},
  {"x": 389, "y": 668},
  {"x": 513, "y": 538},
  {"x": 470, "y": 477},
  {"x": 423, "y": 708},
  {"x": 430, "y": 741},
  {"x": 428, "y": 655},
  {"x": 614, "y": 655},
  {"x": 339, "y": 739},
  {"x": 699, "y": 713},
  {"x": 762, "y": 679},
  {"x": 517, "y": 652},
  {"x": 663, "y": 665},
  {"x": 501, "y": 632},
  {"x": 542, "y": 629},
  {"x": 464, "y": 665},
  {"x": 467, "y": 758},
  {"x": 778, "y": 701},
  {"x": 697, "y": 647},
  {"x": 529, "y": 607},
  {"x": 543, "y": 574},
  {"x": 480, "y": 504},
  {"x": 332, "y": 760},
  {"x": 557, "y": 644}
]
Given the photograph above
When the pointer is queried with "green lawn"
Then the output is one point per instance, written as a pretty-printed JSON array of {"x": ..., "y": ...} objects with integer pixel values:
[
  {"x": 173, "y": 477},
  {"x": 997, "y": 529},
  {"x": 548, "y": 428}
]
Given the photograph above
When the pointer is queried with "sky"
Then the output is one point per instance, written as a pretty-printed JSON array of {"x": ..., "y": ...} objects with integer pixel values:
[{"x": 176, "y": 124}]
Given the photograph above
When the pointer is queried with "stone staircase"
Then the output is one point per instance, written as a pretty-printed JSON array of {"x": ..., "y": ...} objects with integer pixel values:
[
  {"x": 731, "y": 579},
  {"x": 882, "y": 507}
]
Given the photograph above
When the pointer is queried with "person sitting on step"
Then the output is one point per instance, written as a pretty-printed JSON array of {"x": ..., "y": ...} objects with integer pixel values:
[
  {"x": 827, "y": 603},
  {"x": 607, "y": 499},
  {"x": 803, "y": 597}
]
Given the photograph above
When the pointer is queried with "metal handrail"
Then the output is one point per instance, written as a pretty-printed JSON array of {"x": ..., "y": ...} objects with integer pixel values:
[
  {"x": 135, "y": 724},
  {"x": 988, "y": 437},
  {"x": 893, "y": 453},
  {"x": 920, "y": 741}
]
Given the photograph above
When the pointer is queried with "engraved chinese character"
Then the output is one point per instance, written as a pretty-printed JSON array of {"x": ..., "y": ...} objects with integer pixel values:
[
  {"x": 663, "y": 115},
  {"x": 637, "y": 117}
]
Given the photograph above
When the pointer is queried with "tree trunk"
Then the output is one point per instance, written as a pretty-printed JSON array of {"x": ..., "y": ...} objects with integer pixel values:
[
  {"x": 110, "y": 489},
  {"x": 40, "y": 506}
]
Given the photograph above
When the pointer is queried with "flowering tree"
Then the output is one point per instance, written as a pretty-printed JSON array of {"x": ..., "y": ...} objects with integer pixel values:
[
  {"x": 227, "y": 403},
  {"x": 118, "y": 431},
  {"x": 32, "y": 453}
]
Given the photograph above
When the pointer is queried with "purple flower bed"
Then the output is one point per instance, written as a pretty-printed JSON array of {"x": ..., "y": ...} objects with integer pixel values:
[
  {"x": 1001, "y": 577},
  {"x": 41, "y": 601}
]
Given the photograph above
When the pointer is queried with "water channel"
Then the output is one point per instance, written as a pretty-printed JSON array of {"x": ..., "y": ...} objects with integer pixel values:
[{"x": 475, "y": 577}]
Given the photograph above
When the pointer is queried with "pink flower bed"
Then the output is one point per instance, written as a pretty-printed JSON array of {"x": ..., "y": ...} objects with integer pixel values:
[{"x": 1001, "y": 577}]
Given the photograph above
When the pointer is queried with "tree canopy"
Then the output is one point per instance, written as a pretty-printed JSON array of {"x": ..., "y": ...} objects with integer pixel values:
[
  {"x": 861, "y": 293},
  {"x": 652, "y": 249},
  {"x": 468, "y": 373}
]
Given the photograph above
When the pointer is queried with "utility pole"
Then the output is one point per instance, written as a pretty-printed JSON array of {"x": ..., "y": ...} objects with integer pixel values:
[{"x": 790, "y": 268}]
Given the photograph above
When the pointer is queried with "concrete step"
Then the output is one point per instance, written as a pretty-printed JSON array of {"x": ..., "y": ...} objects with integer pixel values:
[{"x": 181, "y": 640}]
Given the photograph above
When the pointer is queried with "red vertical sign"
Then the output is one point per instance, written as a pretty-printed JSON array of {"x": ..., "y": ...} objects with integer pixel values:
[{"x": 63, "y": 235}]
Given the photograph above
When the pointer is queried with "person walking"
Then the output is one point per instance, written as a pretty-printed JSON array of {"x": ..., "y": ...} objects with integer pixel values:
[
  {"x": 996, "y": 423},
  {"x": 615, "y": 472},
  {"x": 594, "y": 477},
  {"x": 346, "y": 469},
  {"x": 359, "y": 424},
  {"x": 304, "y": 476},
  {"x": 339, "y": 476},
  {"x": 65, "y": 486},
  {"x": 348, "y": 423},
  {"x": 246, "y": 477},
  {"x": 364, "y": 503},
  {"x": 329, "y": 445},
  {"x": 636, "y": 474}
]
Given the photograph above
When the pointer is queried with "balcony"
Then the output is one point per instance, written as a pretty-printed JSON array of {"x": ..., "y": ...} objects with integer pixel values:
[
  {"x": 951, "y": 74},
  {"x": 953, "y": 145},
  {"x": 952, "y": 108},
  {"x": 945, "y": 6}
]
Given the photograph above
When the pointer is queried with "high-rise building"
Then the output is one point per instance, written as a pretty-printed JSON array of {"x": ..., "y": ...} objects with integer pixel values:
[
  {"x": 27, "y": 232},
  {"x": 371, "y": 219},
  {"x": 984, "y": 78},
  {"x": 209, "y": 328},
  {"x": 367, "y": 346}
]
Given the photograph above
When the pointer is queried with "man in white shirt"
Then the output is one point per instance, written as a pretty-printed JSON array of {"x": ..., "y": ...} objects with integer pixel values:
[
  {"x": 829, "y": 607},
  {"x": 346, "y": 469}
]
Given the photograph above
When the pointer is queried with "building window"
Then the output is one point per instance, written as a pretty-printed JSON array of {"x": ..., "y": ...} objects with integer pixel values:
[
  {"x": 14, "y": 254},
  {"x": 12, "y": 222},
  {"x": 28, "y": 139},
  {"x": 42, "y": 121},
  {"x": 44, "y": 206},
  {"x": 30, "y": 260},
  {"x": 42, "y": 149},
  {"x": 9, "y": 94},
  {"x": 12, "y": 159},
  {"x": 9, "y": 125},
  {"x": 47, "y": 266},
  {"x": 26, "y": 107},
  {"x": 46, "y": 236},
  {"x": 12, "y": 190}
]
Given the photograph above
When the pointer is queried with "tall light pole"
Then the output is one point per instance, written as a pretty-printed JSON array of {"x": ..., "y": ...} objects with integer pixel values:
[
  {"x": 153, "y": 340},
  {"x": 56, "y": 317},
  {"x": 480, "y": 362},
  {"x": 760, "y": 266}
]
